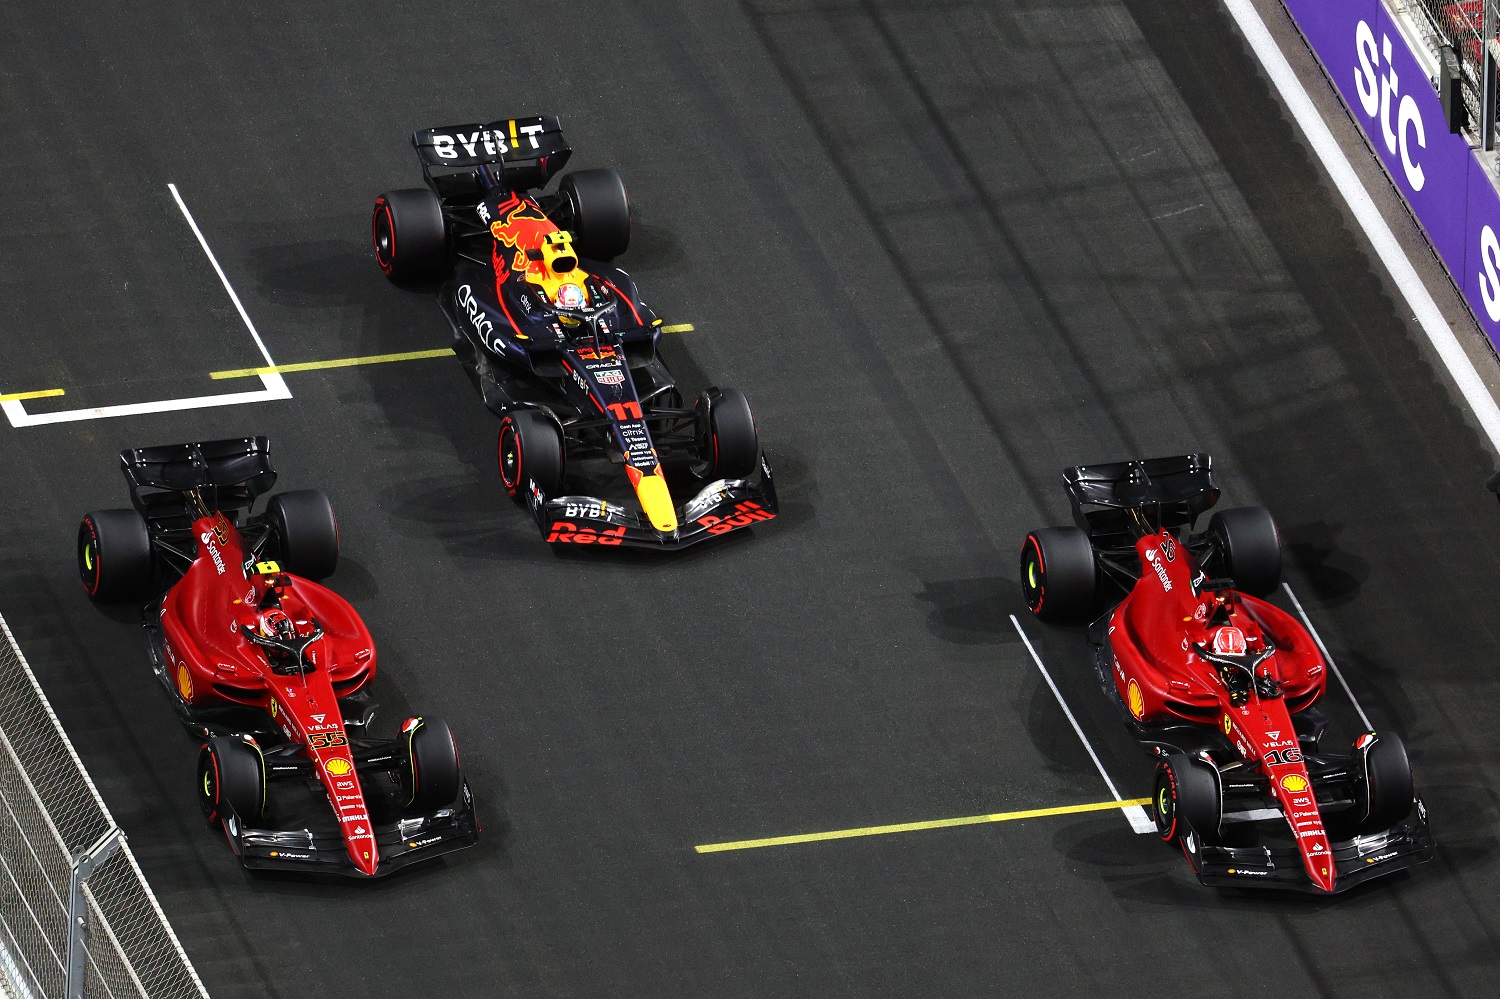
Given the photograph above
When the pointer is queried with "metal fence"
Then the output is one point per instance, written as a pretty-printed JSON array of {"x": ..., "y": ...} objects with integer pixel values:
[
  {"x": 76, "y": 916},
  {"x": 1463, "y": 26}
]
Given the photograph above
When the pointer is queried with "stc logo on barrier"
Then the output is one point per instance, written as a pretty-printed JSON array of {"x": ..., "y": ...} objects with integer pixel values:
[{"x": 1378, "y": 93}]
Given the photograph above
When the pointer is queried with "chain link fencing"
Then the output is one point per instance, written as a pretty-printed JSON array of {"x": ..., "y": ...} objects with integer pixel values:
[
  {"x": 1463, "y": 26},
  {"x": 77, "y": 918}
]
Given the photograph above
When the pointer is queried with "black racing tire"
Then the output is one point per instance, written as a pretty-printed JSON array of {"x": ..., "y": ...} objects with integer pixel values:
[
  {"x": 114, "y": 556},
  {"x": 410, "y": 237},
  {"x": 530, "y": 448},
  {"x": 307, "y": 533},
  {"x": 432, "y": 779},
  {"x": 231, "y": 781},
  {"x": 1249, "y": 547},
  {"x": 1187, "y": 796},
  {"x": 1059, "y": 575},
  {"x": 1385, "y": 794},
  {"x": 728, "y": 443},
  {"x": 599, "y": 212}
]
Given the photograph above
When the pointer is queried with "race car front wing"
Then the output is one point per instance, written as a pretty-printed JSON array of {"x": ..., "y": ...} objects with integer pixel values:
[
  {"x": 719, "y": 508},
  {"x": 1355, "y": 860},
  {"x": 401, "y": 843}
]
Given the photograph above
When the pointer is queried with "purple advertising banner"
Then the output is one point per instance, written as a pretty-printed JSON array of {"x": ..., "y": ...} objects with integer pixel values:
[{"x": 1391, "y": 97}]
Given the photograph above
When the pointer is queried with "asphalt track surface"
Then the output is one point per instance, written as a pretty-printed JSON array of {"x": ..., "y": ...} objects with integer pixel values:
[{"x": 946, "y": 249}]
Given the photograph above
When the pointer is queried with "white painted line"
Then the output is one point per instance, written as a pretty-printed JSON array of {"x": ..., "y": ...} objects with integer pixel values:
[
  {"x": 1139, "y": 820},
  {"x": 1360, "y": 203},
  {"x": 1328, "y": 658},
  {"x": 275, "y": 386},
  {"x": 16, "y": 412}
]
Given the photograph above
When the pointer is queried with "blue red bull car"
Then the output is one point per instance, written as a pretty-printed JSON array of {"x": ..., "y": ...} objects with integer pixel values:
[
  {"x": 561, "y": 347},
  {"x": 1220, "y": 685},
  {"x": 270, "y": 669}
]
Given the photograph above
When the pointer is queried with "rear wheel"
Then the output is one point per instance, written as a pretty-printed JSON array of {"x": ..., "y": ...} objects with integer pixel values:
[
  {"x": 231, "y": 781},
  {"x": 1249, "y": 548},
  {"x": 1187, "y": 798},
  {"x": 1059, "y": 577},
  {"x": 411, "y": 240},
  {"x": 530, "y": 449},
  {"x": 728, "y": 442},
  {"x": 307, "y": 532},
  {"x": 114, "y": 555},
  {"x": 1384, "y": 797},
  {"x": 432, "y": 776},
  {"x": 600, "y": 212}
]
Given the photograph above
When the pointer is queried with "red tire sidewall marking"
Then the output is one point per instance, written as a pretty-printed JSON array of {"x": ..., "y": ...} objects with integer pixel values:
[
  {"x": 93, "y": 544},
  {"x": 508, "y": 425}
]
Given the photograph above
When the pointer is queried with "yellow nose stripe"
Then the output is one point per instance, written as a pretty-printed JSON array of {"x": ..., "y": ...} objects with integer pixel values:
[{"x": 656, "y": 500}]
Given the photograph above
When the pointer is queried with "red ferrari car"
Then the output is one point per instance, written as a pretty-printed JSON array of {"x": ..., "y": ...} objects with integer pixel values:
[
  {"x": 1222, "y": 686},
  {"x": 269, "y": 668}
]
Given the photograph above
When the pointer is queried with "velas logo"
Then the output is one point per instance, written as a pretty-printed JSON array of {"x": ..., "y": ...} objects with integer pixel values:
[
  {"x": 1380, "y": 97},
  {"x": 1294, "y": 783},
  {"x": 338, "y": 768}
]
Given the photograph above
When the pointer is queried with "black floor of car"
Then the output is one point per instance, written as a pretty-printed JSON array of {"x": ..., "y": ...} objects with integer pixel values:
[{"x": 946, "y": 250}]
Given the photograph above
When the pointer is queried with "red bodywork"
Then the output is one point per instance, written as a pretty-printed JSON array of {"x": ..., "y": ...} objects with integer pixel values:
[
  {"x": 212, "y": 662},
  {"x": 1160, "y": 677}
]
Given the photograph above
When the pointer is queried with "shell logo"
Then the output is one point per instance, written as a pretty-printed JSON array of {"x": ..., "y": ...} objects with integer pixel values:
[
  {"x": 1294, "y": 783},
  {"x": 1136, "y": 699},
  {"x": 184, "y": 683},
  {"x": 338, "y": 768}
]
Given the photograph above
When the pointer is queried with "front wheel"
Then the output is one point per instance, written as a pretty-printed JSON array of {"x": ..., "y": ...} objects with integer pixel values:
[
  {"x": 114, "y": 556},
  {"x": 530, "y": 450},
  {"x": 1187, "y": 797},
  {"x": 728, "y": 444},
  {"x": 1059, "y": 577},
  {"x": 432, "y": 776},
  {"x": 1384, "y": 796},
  {"x": 231, "y": 781}
]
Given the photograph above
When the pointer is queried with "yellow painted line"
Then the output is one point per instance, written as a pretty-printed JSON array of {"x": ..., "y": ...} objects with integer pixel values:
[
  {"x": 679, "y": 328},
  {"x": 967, "y": 820},
  {"x": 342, "y": 362},
  {"x": 23, "y": 396}
]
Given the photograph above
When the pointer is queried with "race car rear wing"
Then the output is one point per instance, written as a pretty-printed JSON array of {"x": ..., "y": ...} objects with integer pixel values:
[
  {"x": 531, "y": 150},
  {"x": 229, "y": 474},
  {"x": 1169, "y": 492}
]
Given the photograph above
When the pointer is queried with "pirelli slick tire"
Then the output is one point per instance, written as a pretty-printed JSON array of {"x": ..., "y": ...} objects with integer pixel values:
[
  {"x": 411, "y": 239},
  {"x": 530, "y": 449},
  {"x": 307, "y": 533},
  {"x": 114, "y": 556},
  {"x": 1249, "y": 547},
  {"x": 1187, "y": 797},
  {"x": 1059, "y": 577},
  {"x": 598, "y": 212},
  {"x": 231, "y": 781},
  {"x": 728, "y": 444},
  {"x": 1385, "y": 789},
  {"x": 432, "y": 778}
]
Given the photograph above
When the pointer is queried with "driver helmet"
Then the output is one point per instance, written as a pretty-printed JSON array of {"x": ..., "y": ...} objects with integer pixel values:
[{"x": 275, "y": 623}]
